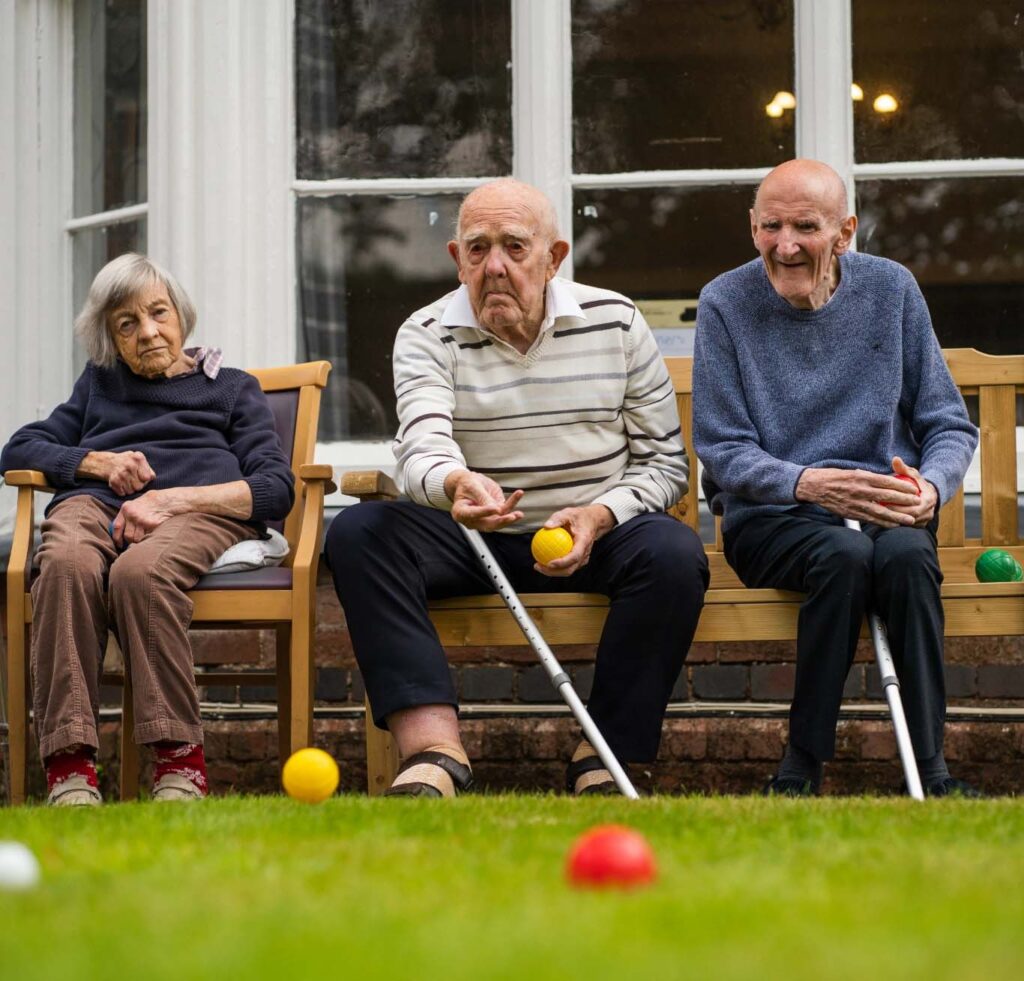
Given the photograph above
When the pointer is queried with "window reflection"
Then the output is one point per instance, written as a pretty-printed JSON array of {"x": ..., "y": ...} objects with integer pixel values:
[
  {"x": 680, "y": 84},
  {"x": 109, "y": 104},
  {"x": 399, "y": 89},
  {"x": 952, "y": 76},
  {"x": 661, "y": 242},
  {"x": 962, "y": 240},
  {"x": 365, "y": 264}
]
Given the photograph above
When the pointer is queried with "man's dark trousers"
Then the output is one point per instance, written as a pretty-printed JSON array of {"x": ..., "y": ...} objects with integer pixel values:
[
  {"x": 893, "y": 571},
  {"x": 389, "y": 558}
]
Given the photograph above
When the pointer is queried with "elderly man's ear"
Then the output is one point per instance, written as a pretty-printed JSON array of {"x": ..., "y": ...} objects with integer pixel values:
[
  {"x": 846, "y": 229},
  {"x": 559, "y": 250}
]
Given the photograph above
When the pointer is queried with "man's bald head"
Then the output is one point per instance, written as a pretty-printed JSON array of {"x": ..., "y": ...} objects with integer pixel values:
[
  {"x": 802, "y": 180},
  {"x": 507, "y": 249},
  {"x": 801, "y": 227},
  {"x": 507, "y": 192}
]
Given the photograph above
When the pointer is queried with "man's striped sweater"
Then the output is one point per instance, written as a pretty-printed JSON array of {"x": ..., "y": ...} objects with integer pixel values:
[{"x": 587, "y": 415}]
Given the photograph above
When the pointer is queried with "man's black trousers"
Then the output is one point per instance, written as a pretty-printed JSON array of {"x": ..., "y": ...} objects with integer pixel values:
[
  {"x": 893, "y": 571},
  {"x": 388, "y": 558}
]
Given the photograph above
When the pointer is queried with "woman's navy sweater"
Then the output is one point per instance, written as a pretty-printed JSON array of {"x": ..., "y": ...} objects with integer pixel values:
[{"x": 194, "y": 430}]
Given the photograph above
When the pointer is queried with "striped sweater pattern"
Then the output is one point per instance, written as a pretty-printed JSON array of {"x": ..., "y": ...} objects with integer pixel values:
[{"x": 587, "y": 415}]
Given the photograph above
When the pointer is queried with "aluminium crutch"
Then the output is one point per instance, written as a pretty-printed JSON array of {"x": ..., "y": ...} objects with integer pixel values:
[
  {"x": 891, "y": 687},
  {"x": 558, "y": 677}
]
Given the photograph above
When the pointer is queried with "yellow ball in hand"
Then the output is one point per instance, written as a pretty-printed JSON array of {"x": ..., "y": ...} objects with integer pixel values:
[
  {"x": 550, "y": 544},
  {"x": 310, "y": 775}
]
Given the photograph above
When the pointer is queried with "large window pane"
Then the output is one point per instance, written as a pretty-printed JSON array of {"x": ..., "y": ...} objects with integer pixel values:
[
  {"x": 662, "y": 244},
  {"x": 962, "y": 240},
  {"x": 92, "y": 249},
  {"x": 109, "y": 104},
  {"x": 678, "y": 84},
  {"x": 365, "y": 264},
  {"x": 398, "y": 89},
  {"x": 953, "y": 74}
]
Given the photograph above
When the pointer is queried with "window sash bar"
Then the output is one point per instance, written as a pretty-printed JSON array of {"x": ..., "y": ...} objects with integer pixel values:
[
  {"x": 115, "y": 216},
  {"x": 981, "y": 167},
  {"x": 387, "y": 185},
  {"x": 670, "y": 178}
]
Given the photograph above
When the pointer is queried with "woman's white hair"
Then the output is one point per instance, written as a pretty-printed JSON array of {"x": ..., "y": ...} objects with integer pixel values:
[{"x": 119, "y": 280}]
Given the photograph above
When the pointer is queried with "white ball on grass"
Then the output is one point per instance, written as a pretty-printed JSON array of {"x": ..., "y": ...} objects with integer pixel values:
[{"x": 19, "y": 868}]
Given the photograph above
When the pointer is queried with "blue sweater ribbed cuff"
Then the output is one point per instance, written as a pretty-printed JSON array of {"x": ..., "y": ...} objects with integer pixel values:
[
  {"x": 260, "y": 496},
  {"x": 67, "y": 463}
]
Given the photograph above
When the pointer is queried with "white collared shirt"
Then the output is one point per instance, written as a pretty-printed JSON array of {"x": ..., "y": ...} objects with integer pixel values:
[{"x": 558, "y": 303}]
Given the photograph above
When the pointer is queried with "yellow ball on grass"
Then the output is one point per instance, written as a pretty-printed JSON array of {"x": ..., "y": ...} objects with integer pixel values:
[
  {"x": 550, "y": 544},
  {"x": 310, "y": 775}
]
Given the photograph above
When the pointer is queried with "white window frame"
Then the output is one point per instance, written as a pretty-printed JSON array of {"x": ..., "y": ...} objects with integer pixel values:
[
  {"x": 99, "y": 219},
  {"x": 542, "y": 143},
  {"x": 221, "y": 75}
]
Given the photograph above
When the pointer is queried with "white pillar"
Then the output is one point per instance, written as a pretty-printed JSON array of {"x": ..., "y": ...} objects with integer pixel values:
[
  {"x": 542, "y": 103},
  {"x": 35, "y": 303},
  {"x": 824, "y": 116},
  {"x": 220, "y": 168}
]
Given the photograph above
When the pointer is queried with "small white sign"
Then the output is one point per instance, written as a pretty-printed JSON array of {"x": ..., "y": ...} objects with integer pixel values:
[{"x": 675, "y": 341}]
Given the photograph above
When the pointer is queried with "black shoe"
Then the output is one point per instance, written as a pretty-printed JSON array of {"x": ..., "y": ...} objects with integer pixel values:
[
  {"x": 951, "y": 787},
  {"x": 789, "y": 787}
]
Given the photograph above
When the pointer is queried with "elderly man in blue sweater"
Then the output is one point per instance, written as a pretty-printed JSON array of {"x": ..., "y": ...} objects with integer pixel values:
[{"x": 818, "y": 383}]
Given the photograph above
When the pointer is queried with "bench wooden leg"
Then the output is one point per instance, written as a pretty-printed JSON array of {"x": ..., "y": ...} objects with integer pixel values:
[
  {"x": 18, "y": 640},
  {"x": 300, "y": 723},
  {"x": 381, "y": 756},
  {"x": 284, "y": 692},
  {"x": 129, "y": 750}
]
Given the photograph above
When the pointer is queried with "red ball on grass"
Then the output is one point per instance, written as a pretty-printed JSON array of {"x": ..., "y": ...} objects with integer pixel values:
[{"x": 610, "y": 856}]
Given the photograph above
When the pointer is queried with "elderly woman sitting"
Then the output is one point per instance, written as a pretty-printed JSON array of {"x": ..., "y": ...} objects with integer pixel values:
[{"x": 161, "y": 460}]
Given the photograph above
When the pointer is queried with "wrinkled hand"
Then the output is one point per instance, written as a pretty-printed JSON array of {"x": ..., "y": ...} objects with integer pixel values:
[
  {"x": 859, "y": 493},
  {"x": 586, "y": 525},
  {"x": 138, "y": 518},
  {"x": 125, "y": 473},
  {"x": 924, "y": 509},
  {"x": 478, "y": 502}
]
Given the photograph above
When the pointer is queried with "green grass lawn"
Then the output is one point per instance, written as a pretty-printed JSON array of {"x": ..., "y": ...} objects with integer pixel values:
[{"x": 474, "y": 888}]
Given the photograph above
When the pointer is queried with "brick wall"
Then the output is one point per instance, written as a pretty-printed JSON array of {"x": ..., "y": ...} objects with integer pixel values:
[{"x": 702, "y": 750}]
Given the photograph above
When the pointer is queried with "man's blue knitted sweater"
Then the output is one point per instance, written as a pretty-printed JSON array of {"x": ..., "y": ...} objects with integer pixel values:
[
  {"x": 777, "y": 389},
  {"x": 195, "y": 431}
]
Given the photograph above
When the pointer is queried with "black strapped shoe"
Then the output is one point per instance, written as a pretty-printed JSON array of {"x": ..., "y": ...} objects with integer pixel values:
[{"x": 462, "y": 776}]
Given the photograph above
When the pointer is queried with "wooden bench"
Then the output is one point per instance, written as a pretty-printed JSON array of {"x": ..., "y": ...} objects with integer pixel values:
[{"x": 731, "y": 611}]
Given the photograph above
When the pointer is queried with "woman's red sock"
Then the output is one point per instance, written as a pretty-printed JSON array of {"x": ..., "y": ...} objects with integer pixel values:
[
  {"x": 75, "y": 761},
  {"x": 185, "y": 759}
]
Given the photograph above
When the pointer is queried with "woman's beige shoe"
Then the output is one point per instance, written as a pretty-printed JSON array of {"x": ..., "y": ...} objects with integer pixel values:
[
  {"x": 174, "y": 786},
  {"x": 75, "y": 791}
]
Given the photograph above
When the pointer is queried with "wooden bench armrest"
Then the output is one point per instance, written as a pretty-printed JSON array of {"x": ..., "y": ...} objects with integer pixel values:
[
  {"x": 307, "y": 548},
  {"x": 319, "y": 471},
  {"x": 35, "y": 479},
  {"x": 368, "y": 485}
]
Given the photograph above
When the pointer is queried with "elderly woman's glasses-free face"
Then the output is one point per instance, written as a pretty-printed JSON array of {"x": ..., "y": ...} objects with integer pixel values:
[{"x": 127, "y": 325}]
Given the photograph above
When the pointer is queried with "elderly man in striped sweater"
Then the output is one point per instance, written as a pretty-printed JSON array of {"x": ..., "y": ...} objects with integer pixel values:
[{"x": 524, "y": 400}]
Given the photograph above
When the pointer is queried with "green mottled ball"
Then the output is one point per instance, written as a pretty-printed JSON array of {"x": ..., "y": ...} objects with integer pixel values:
[{"x": 995, "y": 565}]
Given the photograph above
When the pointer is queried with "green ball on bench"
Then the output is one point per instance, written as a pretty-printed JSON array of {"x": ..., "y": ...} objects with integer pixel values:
[{"x": 997, "y": 565}]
